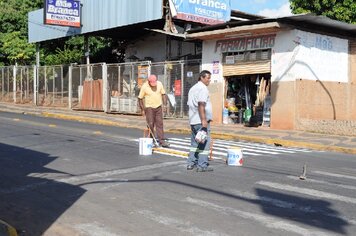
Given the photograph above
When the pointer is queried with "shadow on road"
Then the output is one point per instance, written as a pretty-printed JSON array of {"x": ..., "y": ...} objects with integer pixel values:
[
  {"x": 312, "y": 212},
  {"x": 29, "y": 200}
]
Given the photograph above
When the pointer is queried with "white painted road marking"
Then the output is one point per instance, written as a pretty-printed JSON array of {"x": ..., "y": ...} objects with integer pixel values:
[
  {"x": 183, "y": 226},
  {"x": 325, "y": 182},
  {"x": 335, "y": 175},
  {"x": 307, "y": 191},
  {"x": 267, "y": 221}
]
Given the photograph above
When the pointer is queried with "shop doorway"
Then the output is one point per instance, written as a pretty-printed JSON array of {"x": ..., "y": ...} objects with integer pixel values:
[{"x": 247, "y": 100}]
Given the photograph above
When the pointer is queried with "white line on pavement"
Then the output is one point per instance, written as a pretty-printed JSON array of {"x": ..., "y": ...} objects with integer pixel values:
[
  {"x": 289, "y": 205},
  {"x": 216, "y": 147},
  {"x": 324, "y": 182},
  {"x": 183, "y": 226},
  {"x": 306, "y": 191},
  {"x": 106, "y": 174},
  {"x": 335, "y": 175},
  {"x": 267, "y": 221}
]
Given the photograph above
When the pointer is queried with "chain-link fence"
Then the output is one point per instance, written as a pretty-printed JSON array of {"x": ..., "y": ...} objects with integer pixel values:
[
  {"x": 87, "y": 87},
  {"x": 125, "y": 81},
  {"x": 100, "y": 87},
  {"x": 16, "y": 84},
  {"x": 177, "y": 78},
  {"x": 6, "y": 85},
  {"x": 52, "y": 89}
]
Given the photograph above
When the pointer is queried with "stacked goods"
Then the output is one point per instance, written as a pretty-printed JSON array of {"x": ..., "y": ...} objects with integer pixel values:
[{"x": 262, "y": 92}]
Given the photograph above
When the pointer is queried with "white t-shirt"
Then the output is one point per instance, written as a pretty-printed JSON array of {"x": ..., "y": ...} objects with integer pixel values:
[{"x": 199, "y": 93}]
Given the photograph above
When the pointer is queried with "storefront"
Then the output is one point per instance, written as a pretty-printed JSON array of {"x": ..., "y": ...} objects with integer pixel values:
[{"x": 286, "y": 73}]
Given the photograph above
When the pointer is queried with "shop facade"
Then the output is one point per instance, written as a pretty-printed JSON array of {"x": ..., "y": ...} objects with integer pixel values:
[{"x": 283, "y": 76}]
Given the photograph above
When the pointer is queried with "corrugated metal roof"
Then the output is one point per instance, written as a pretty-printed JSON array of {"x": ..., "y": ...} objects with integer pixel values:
[
  {"x": 97, "y": 16},
  {"x": 305, "y": 21}
]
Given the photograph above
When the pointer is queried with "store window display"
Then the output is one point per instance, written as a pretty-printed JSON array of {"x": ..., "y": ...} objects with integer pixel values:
[{"x": 244, "y": 99}]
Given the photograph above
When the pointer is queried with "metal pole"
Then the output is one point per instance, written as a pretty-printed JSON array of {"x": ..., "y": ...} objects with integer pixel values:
[
  {"x": 53, "y": 84},
  {"x": 2, "y": 83},
  {"x": 28, "y": 83},
  {"x": 35, "y": 82},
  {"x": 37, "y": 74},
  {"x": 45, "y": 75},
  {"x": 106, "y": 97},
  {"x": 181, "y": 88},
  {"x": 70, "y": 87},
  {"x": 62, "y": 84},
  {"x": 21, "y": 84},
  {"x": 14, "y": 83}
]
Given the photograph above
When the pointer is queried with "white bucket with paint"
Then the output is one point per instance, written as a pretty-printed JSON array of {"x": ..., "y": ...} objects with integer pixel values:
[
  {"x": 235, "y": 156},
  {"x": 146, "y": 146}
]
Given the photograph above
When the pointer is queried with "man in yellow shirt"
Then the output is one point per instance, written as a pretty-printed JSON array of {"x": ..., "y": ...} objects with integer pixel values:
[{"x": 155, "y": 96}]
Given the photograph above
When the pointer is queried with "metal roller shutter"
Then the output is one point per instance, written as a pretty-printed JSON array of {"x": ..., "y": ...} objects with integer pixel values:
[{"x": 256, "y": 67}]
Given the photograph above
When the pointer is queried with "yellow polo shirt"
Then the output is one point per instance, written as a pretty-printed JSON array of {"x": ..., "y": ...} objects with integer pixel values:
[{"x": 153, "y": 98}]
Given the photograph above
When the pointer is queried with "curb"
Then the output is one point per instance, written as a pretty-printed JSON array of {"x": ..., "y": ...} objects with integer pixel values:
[
  {"x": 270, "y": 141},
  {"x": 6, "y": 229}
]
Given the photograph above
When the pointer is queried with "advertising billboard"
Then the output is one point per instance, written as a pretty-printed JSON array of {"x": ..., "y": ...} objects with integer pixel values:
[
  {"x": 209, "y": 12},
  {"x": 62, "y": 12}
]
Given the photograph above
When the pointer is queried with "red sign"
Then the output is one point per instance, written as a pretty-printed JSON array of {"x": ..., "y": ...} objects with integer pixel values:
[{"x": 177, "y": 88}]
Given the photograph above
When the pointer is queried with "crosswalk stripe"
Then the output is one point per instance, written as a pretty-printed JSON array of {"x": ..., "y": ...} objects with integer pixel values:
[
  {"x": 251, "y": 145},
  {"x": 214, "y": 152},
  {"x": 257, "y": 145},
  {"x": 220, "y": 148},
  {"x": 307, "y": 191},
  {"x": 225, "y": 147},
  {"x": 267, "y": 221},
  {"x": 335, "y": 175}
]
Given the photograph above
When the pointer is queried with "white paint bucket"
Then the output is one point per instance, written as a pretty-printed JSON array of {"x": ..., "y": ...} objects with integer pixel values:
[
  {"x": 146, "y": 146},
  {"x": 235, "y": 156}
]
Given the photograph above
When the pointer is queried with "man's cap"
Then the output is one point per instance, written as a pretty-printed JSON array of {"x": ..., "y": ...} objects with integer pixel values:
[{"x": 152, "y": 80}]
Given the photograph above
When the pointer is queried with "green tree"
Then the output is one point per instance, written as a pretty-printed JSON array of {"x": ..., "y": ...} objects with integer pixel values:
[
  {"x": 13, "y": 35},
  {"x": 16, "y": 48},
  {"x": 342, "y": 10}
]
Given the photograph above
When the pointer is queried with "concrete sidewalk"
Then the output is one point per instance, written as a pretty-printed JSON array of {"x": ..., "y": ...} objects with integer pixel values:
[{"x": 324, "y": 142}]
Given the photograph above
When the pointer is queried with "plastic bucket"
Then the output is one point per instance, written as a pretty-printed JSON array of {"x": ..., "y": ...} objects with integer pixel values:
[
  {"x": 234, "y": 156},
  {"x": 145, "y": 146}
]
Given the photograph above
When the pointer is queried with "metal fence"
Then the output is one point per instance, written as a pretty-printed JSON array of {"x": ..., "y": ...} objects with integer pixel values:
[
  {"x": 100, "y": 87},
  {"x": 53, "y": 86},
  {"x": 87, "y": 87},
  {"x": 16, "y": 84},
  {"x": 124, "y": 82}
]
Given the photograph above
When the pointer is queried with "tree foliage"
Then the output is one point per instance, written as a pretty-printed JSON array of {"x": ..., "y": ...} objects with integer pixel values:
[
  {"x": 14, "y": 46},
  {"x": 342, "y": 10},
  {"x": 13, "y": 34}
]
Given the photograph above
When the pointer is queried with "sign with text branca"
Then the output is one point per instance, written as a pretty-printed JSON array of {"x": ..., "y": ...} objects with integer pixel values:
[
  {"x": 209, "y": 12},
  {"x": 62, "y": 12}
]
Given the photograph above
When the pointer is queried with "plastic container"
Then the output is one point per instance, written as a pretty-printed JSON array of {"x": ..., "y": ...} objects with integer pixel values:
[
  {"x": 225, "y": 116},
  {"x": 145, "y": 146},
  {"x": 235, "y": 156}
]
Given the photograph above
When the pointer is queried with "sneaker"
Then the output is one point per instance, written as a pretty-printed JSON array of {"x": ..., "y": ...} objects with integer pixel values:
[
  {"x": 204, "y": 169},
  {"x": 165, "y": 144}
]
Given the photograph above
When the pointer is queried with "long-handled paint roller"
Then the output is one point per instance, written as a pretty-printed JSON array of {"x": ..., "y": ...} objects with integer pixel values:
[{"x": 152, "y": 135}]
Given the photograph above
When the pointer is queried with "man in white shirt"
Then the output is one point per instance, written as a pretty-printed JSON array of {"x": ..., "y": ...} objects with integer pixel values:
[{"x": 200, "y": 115}]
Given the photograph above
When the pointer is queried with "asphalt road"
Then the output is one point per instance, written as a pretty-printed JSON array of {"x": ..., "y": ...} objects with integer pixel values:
[{"x": 69, "y": 178}]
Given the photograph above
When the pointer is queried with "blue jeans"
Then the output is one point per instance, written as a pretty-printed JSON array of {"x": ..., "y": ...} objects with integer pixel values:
[{"x": 199, "y": 152}]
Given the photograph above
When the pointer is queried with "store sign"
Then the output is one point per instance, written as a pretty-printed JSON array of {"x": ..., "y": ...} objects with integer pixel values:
[
  {"x": 208, "y": 12},
  {"x": 245, "y": 44},
  {"x": 62, "y": 12}
]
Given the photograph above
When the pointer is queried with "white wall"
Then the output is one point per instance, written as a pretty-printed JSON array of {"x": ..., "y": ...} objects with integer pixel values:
[
  {"x": 155, "y": 46},
  {"x": 212, "y": 61},
  {"x": 302, "y": 55},
  {"x": 152, "y": 46}
]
